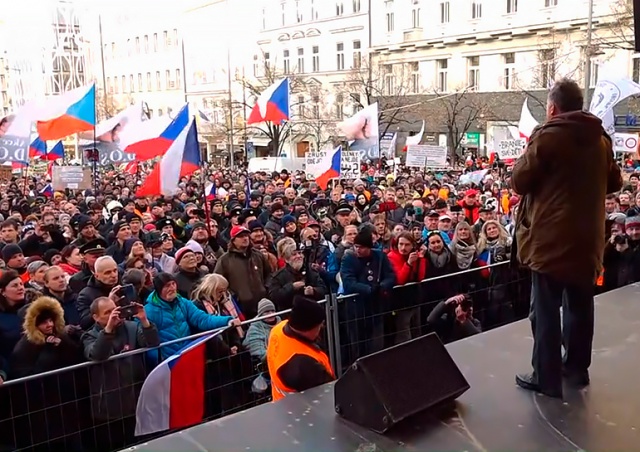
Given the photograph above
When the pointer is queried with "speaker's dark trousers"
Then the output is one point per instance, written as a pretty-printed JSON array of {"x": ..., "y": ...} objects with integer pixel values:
[{"x": 576, "y": 333}]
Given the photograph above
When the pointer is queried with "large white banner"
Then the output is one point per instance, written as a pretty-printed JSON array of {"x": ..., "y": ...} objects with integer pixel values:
[
  {"x": 315, "y": 163},
  {"x": 625, "y": 142},
  {"x": 422, "y": 155},
  {"x": 510, "y": 149},
  {"x": 608, "y": 93}
]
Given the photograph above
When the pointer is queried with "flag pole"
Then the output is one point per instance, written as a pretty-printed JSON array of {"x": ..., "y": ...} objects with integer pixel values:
[{"x": 203, "y": 179}]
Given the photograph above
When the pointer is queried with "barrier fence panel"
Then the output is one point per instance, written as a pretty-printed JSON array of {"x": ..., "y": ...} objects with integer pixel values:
[{"x": 493, "y": 296}]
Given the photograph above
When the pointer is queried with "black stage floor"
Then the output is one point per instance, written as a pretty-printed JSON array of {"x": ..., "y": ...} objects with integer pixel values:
[{"x": 494, "y": 415}]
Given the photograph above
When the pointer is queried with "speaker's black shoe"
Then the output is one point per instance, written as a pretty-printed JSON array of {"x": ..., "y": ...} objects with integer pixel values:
[
  {"x": 528, "y": 382},
  {"x": 577, "y": 379}
]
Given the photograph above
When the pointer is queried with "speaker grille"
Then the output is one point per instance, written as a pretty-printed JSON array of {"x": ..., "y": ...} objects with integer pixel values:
[{"x": 428, "y": 375}]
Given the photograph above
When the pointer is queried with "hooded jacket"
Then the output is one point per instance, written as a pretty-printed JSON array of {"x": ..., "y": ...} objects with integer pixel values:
[
  {"x": 32, "y": 354},
  {"x": 564, "y": 176}
]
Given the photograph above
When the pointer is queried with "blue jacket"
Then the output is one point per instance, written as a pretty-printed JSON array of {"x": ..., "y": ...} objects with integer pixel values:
[
  {"x": 179, "y": 319},
  {"x": 355, "y": 276}
]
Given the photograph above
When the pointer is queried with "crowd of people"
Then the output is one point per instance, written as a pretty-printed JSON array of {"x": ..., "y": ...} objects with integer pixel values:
[{"x": 250, "y": 250}]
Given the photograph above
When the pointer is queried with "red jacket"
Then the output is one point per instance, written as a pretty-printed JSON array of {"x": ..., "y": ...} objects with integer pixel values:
[
  {"x": 471, "y": 213},
  {"x": 406, "y": 273}
]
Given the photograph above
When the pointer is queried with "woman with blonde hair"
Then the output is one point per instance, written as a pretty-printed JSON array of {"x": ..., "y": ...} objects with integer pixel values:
[
  {"x": 463, "y": 245},
  {"x": 213, "y": 297},
  {"x": 283, "y": 244}
]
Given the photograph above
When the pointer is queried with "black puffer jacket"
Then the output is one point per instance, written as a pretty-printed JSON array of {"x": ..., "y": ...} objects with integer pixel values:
[{"x": 86, "y": 296}]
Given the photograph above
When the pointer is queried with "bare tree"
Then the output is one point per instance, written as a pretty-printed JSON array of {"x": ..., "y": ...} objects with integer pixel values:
[
  {"x": 106, "y": 106},
  {"x": 316, "y": 120},
  {"x": 460, "y": 111},
  {"x": 618, "y": 31},
  {"x": 278, "y": 134},
  {"x": 386, "y": 84}
]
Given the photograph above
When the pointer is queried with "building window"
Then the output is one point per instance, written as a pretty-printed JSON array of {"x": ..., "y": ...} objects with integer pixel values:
[
  {"x": 155, "y": 42},
  {"x": 339, "y": 107},
  {"x": 109, "y": 87},
  {"x": 635, "y": 71},
  {"x": 285, "y": 62},
  {"x": 547, "y": 67},
  {"x": 283, "y": 13},
  {"x": 165, "y": 35},
  {"x": 255, "y": 66},
  {"x": 139, "y": 82},
  {"x": 315, "y": 62},
  {"x": 146, "y": 44},
  {"x": 149, "y": 85},
  {"x": 415, "y": 17},
  {"x": 124, "y": 84},
  {"x": 129, "y": 47},
  {"x": 476, "y": 10},
  {"x": 509, "y": 78},
  {"x": 175, "y": 37},
  {"x": 340, "y": 56},
  {"x": 389, "y": 80},
  {"x": 357, "y": 103},
  {"x": 357, "y": 54},
  {"x": 267, "y": 61},
  {"x": 167, "y": 80},
  {"x": 301, "y": 110},
  {"x": 301, "y": 60},
  {"x": 593, "y": 79},
  {"x": 444, "y": 12},
  {"x": 314, "y": 12},
  {"x": 473, "y": 81},
  {"x": 390, "y": 20},
  {"x": 316, "y": 106},
  {"x": 443, "y": 68},
  {"x": 339, "y": 8},
  {"x": 160, "y": 112},
  {"x": 137, "y": 46},
  {"x": 548, "y": 3},
  {"x": 178, "y": 79},
  {"x": 158, "y": 81},
  {"x": 132, "y": 85},
  {"x": 356, "y": 6},
  {"x": 299, "y": 17},
  {"x": 264, "y": 19},
  {"x": 512, "y": 6},
  {"x": 414, "y": 70}
]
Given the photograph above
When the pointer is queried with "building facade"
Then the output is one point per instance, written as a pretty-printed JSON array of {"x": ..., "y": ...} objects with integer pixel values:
[
  {"x": 489, "y": 55},
  {"x": 140, "y": 59},
  {"x": 321, "y": 46}
]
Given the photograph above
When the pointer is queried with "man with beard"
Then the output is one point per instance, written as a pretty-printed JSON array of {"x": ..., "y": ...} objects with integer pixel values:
[
  {"x": 246, "y": 269},
  {"x": 295, "y": 278}
]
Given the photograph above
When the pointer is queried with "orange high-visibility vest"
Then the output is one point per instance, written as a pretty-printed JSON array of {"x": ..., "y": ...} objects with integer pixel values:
[{"x": 280, "y": 350}]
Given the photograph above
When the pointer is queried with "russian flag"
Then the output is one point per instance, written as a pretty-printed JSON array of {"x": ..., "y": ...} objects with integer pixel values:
[
  {"x": 69, "y": 113},
  {"x": 148, "y": 147},
  {"x": 272, "y": 105},
  {"x": 47, "y": 191},
  {"x": 333, "y": 171},
  {"x": 172, "y": 396},
  {"x": 181, "y": 159}
]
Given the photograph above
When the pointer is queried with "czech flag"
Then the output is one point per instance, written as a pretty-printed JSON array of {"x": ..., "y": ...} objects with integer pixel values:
[
  {"x": 151, "y": 146},
  {"x": 181, "y": 159},
  {"x": 272, "y": 105},
  {"x": 172, "y": 396},
  {"x": 37, "y": 148},
  {"x": 47, "y": 191},
  {"x": 414, "y": 139},
  {"x": 333, "y": 169},
  {"x": 69, "y": 113},
  {"x": 130, "y": 168},
  {"x": 56, "y": 152},
  {"x": 210, "y": 191}
]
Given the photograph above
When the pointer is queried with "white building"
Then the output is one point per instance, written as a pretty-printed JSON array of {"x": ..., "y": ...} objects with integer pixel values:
[
  {"x": 322, "y": 42},
  {"x": 142, "y": 56},
  {"x": 509, "y": 48}
]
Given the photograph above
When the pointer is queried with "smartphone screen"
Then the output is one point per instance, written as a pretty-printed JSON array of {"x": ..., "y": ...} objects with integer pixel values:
[{"x": 128, "y": 292}]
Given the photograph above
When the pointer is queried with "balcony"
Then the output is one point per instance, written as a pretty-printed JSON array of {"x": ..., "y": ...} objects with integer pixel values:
[{"x": 413, "y": 34}]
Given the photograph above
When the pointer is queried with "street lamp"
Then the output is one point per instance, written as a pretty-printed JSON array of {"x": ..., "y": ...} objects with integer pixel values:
[{"x": 588, "y": 55}]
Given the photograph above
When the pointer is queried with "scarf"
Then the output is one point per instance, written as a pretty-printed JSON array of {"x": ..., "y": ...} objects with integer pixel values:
[
  {"x": 439, "y": 260},
  {"x": 497, "y": 251},
  {"x": 464, "y": 254},
  {"x": 226, "y": 306}
]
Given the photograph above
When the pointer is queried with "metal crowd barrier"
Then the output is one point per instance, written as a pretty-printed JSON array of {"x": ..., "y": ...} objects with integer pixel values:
[{"x": 91, "y": 405}]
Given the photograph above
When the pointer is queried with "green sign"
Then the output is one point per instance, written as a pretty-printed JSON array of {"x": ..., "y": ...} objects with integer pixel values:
[{"x": 472, "y": 139}]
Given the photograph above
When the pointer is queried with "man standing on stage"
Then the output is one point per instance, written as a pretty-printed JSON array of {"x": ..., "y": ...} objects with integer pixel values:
[{"x": 563, "y": 177}]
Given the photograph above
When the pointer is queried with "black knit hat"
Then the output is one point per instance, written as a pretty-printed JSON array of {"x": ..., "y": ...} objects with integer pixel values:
[
  {"x": 9, "y": 251},
  {"x": 306, "y": 314},
  {"x": 364, "y": 238},
  {"x": 161, "y": 280}
]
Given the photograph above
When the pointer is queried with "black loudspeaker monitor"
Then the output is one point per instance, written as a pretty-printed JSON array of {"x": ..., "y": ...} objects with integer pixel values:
[
  {"x": 636, "y": 23},
  {"x": 382, "y": 389}
]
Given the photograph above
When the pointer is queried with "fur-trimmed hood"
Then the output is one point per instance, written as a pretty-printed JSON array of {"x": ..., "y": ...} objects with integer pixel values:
[{"x": 41, "y": 304}]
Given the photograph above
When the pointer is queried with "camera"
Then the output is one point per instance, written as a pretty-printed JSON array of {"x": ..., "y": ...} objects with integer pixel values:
[
  {"x": 620, "y": 239},
  {"x": 198, "y": 213}
]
